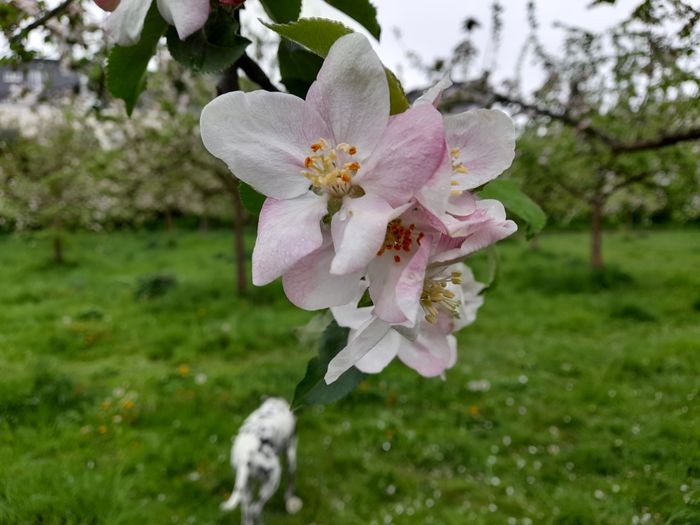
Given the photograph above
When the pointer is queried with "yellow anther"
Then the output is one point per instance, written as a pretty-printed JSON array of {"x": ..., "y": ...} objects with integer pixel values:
[
  {"x": 326, "y": 169},
  {"x": 436, "y": 295}
]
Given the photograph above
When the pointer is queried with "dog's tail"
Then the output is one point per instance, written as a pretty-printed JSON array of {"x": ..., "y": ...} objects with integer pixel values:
[{"x": 235, "y": 498}]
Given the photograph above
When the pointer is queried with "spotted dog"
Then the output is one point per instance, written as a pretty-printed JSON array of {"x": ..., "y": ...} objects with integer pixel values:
[{"x": 255, "y": 456}]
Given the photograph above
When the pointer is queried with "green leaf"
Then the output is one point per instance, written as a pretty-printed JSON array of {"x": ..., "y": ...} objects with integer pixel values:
[
  {"x": 398, "y": 101},
  {"x": 126, "y": 66},
  {"x": 319, "y": 34},
  {"x": 282, "y": 11},
  {"x": 252, "y": 200},
  {"x": 362, "y": 11},
  {"x": 315, "y": 34},
  {"x": 211, "y": 49},
  {"x": 298, "y": 67},
  {"x": 312, "y": 389},
  {"x": 516, "y": 202}
]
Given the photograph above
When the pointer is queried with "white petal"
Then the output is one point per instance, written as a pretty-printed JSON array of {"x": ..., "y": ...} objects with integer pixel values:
[
  {"x": 486, "y": 139},
  {"x": 125, "y": 24},
  {"x": 186, "y": 15},
  {"x": 432, "y": 95},
  {"x": 288, "y": 230},
  {"x": 381, "y": 355},
  {"x": 358, "y": 231},
  {"x": 352, "y": 93},
  {"x": 264, "y": 138},
  {"x": 367, "y": 337}
]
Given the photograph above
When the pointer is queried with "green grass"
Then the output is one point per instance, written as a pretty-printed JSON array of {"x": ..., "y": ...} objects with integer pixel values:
[{"x": 574, "y": 400}]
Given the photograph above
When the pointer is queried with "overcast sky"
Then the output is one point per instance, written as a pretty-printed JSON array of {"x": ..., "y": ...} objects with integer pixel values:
[{"x": 433, "y": 28}]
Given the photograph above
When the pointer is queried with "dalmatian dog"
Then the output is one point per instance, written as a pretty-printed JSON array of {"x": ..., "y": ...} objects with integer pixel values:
[{"x": 266, "y": 434}]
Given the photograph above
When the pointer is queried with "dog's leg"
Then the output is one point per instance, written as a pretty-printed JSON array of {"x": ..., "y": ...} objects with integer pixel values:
[
  {"x": 267, "y": 489},
  {"x": 247, "y": 511},
  {"x": 291, "y": 502}
]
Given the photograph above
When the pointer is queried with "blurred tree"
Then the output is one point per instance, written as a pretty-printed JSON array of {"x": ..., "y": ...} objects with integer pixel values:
[{"x": 614, "y": 124}]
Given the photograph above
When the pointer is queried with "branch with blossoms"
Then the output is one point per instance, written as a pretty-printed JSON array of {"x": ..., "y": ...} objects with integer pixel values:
[{"x": 371, "y": 205}]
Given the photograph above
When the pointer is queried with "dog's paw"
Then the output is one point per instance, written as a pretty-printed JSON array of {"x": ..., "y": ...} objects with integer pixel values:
[
  {"x": 227, "y": 506},
  {"x": 293, "y": 505}
]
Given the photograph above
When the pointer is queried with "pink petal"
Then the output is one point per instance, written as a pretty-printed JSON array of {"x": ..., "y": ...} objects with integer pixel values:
[
  {"x": 486, "y": 138},
  {"x": 288, "y": 230},
  {"x": 187, "y": 16},
  {"x": 352, "y": 93},
  {"x": 358, "y": 231},
  {"x": 431, "y": 354},
  {"x": 491, "y": 227},
  {"x": 310, "y": 285},
  {"x": 407, "y": 155},
  {"x": 365, "y": 339},
  {"x": 264, "y": 138}
]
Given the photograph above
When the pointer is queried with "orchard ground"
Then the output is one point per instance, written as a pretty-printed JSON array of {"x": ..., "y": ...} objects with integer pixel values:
[{"x": 126, "y": 371}]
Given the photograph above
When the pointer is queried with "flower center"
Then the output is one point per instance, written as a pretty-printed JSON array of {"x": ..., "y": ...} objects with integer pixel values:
[
  {"x": 399, "y": 238},
  {"x": 458, "y": 167},
  {"x": 435, "y": 295},
  {"x": 331, "y": 170}
]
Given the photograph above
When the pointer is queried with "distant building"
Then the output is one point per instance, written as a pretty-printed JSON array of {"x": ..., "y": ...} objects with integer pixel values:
[
  {"x": 42, "y": 78},
  {"x": 30, "y": 95}
]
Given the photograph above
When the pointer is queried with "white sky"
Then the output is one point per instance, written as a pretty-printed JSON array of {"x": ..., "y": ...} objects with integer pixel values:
[{"x": 432, "y": 29}]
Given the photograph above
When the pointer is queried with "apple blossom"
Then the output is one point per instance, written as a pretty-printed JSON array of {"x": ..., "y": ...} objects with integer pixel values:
[
  {"x": 336, "y": 168},
  {"x": 481, "y": 146},
  {"x": 125, "y": 24},
  {"x": 449, "y": 300}
]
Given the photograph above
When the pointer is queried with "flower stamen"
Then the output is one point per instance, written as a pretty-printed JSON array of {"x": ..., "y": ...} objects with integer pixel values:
[
  {"x": 400, "y": 238},
  {"x": 458, "y": 167},
  {"x": 330, "y": 170},
  {"x": 437, "y": 296}
]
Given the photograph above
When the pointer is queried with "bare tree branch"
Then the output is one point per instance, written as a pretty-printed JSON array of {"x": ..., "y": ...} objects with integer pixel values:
[
  {"x": 52, "y": 13},
  {"x": 255, "y": 73}
]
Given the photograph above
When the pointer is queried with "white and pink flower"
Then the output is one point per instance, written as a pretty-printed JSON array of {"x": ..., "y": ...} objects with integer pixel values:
[
  {"x": 449, "y": 300},
  {"x": 336, "y": 168},
  {"x": 125, "y": 23}
]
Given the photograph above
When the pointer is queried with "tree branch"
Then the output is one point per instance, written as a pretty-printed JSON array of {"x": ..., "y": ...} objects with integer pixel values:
[
  {"x": 663, "y": 141},
  {"x": 52, "y": 13},
  {"x": 255, "y": 73},
  {"x": 616, "y": 146}
]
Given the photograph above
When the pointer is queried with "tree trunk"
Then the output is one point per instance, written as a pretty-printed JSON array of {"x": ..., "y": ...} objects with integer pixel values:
[
  {"x": 58, "y": 249},
  {"x": 597, "y": 233},
  {"x": 239, "y": 237},
  {"x": 227, "y": 83},
  {"x": 204, "y": 224},
  {"x": 168, "y": 220}
]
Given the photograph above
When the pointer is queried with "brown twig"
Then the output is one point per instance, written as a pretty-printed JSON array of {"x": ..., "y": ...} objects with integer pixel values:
[{"x": 52, "y": 13}]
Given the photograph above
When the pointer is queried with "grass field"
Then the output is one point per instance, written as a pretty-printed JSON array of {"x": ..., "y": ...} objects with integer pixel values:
[{"x": 574, "y": 400}]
